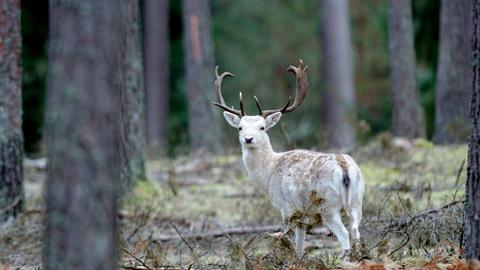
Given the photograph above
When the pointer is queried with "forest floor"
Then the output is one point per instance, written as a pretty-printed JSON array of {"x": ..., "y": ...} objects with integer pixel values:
[{"x": 202, "y": 212}]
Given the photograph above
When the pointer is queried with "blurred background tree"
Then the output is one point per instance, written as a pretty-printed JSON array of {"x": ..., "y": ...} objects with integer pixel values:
[
  {"x": 257, "y": 41},
  {"x": 157, "y": 72},
  {"x": 203, "y": 123},
  {"x": 337, "y": 69},
  {"x": 453, "y": 73},
  {"x": 408, "y": 116}
]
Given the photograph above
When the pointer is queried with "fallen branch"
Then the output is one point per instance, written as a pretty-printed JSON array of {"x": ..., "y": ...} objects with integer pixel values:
[
  {"x": 229, "y": 231},
  {"x": 137, "y": 259},
  {"x": 423, "y": 214}
]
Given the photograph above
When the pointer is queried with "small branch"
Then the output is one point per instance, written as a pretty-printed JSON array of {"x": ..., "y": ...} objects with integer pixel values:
[
  {"x": 10, "y": 206},
  {"x": 424, "y": 214},
  {"x": 186, "y": 243},
  {"x": 459, "y": 173},
  {"x": 136, "y": 258}
]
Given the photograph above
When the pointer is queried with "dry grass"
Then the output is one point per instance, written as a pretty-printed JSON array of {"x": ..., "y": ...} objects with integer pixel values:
[{"x": 406, "y": 221}]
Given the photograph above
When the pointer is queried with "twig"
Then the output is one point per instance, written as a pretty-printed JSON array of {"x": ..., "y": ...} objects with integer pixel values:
[
  {"x": 186, "y": 243},
  {"x": 424, "y": 214},
  {"x": 137, "y": 259},
  {"x": 459, "y": 173},
  {"x": 404, "y": 243},
  {"x": 10, "y": 206},
  {"x": 403, "y": 205}
]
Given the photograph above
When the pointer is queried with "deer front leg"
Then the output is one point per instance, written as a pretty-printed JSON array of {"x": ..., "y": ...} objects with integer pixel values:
[
  {"x": 299, "y": 239},
  {"x": 284, "y": 222}
]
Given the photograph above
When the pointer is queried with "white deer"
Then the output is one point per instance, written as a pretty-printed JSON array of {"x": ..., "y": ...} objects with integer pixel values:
[{"x": 309, "y": 188}]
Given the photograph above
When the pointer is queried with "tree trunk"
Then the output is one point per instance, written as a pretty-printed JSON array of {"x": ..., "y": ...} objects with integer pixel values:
[
  {"x": 203, "y": 127},
  {"x": 453, "y": 74},
  {"x": 82, "y": 135},
  {"x": 132, "y": 97},
  {"x": 156, "y": 74},
  {"x": 408, "y": 115},
  {"x": 472, "y": 189},
  {"x": 339, "y": 94},
  {"x": 11, "y": 137}
]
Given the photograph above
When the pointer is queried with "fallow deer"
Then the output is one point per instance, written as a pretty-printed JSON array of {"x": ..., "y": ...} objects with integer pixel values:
[{"x": 309, "y": 188}]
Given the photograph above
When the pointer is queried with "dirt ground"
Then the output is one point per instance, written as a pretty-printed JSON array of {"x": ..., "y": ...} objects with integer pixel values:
[{"x": 201, "y": 212}]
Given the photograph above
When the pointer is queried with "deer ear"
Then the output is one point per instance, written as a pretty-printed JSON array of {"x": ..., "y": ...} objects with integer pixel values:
[
  {"x": 232, "y": 119},
  {"x": 273, "y": 119}
]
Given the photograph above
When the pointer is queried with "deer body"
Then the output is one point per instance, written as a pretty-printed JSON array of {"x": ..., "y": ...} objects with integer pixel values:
[{"x": 309, "y": 188}]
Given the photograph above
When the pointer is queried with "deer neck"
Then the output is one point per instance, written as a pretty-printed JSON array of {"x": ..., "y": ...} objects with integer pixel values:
[{"x": 260, "y": 163}]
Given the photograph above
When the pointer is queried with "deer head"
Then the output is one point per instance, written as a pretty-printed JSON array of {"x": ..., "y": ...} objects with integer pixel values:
[{"x": 253, "y": 129}]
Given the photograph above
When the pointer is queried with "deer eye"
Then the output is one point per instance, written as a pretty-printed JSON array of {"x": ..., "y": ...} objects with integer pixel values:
[
  {"x": 240, "y": 128},
  {"x": 262, "y": 128}
]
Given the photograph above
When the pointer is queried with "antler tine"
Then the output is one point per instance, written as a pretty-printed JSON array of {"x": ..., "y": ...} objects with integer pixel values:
[
  {"x": 221, "y": 100},
  {"x": 242, "y": 110},
  {"x": 300, "y": 93},
  {"x": 260, "y": 112}
]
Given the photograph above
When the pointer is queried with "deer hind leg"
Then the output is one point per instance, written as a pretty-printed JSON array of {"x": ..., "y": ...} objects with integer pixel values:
[
  {"x": 299, "y": 239},
  {"x": 355, "y": 214},
  {"x": 335, "y": 225}
]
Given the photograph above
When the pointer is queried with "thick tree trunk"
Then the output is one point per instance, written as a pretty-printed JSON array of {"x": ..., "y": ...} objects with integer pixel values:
[
  {"x": 472, "y": 189},
  {"x": 132, "y": 97},
  {"x": 11, "y": 138},
  {"x": 453, "y": 73},
  {"x": 339, "y": 94},
  {"x": 82, "y": 135},
  {"x": 408, "y": 115},
  {"x": 157, "y": 74},
  {"x": 203, "y": 127}
]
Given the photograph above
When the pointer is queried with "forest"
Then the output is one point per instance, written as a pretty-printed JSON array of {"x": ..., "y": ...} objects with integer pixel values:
[{"x": 215, "y": 134}]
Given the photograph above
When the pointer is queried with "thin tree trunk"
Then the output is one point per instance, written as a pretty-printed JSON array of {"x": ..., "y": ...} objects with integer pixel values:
[
  {"x": 11, "y": 137},
  {"x": 157, "y": 74},
  {"x": 132, "y": 97},
  {"x": 339, "y": 94},
  {"x": 82, "y": 135},
  {"x": 453, "y": 74},
  {"x": 472, "y": 189},
  {"x": 203, "y": 125},
  {"x": 408, "y": 115}
]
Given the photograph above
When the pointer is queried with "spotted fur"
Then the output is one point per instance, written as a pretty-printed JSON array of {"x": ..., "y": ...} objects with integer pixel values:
[{"x": 309, "y": 188}]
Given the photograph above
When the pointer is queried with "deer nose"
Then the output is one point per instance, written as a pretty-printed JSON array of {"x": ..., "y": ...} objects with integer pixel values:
[{"x": 248, "y": 139}]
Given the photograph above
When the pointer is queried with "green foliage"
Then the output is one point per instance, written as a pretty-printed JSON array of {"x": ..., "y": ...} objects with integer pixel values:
[
  {"x": 34, "y": 24},
  {"x": 178, "y": 115},
  {"x": 426, "y": 24},
  {"x": 257, "y": 40}
]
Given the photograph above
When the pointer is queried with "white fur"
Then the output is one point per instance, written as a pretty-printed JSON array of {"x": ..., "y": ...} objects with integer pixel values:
[{"x": 302, "y": 184}]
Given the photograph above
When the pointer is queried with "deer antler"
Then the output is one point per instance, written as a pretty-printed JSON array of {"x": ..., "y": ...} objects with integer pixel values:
[
  {"x": 300, "y": 93},
  {"x": 221, "y": 104}
]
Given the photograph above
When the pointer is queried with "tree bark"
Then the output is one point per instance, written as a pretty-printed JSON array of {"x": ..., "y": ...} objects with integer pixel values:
[
  {"x": 472, "y": 189},
  {"x": 131, "y": 97},
  {"x": 82, "y": 134},
  {"x": 11, "y": 136},
  {"x": 203, "y": 127},
  {"x": 339, "y": 94},
  {"x": 156, "y": 75},
  {"x": 408, "y": 115},
  {"x": 453, "y": 73}
]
